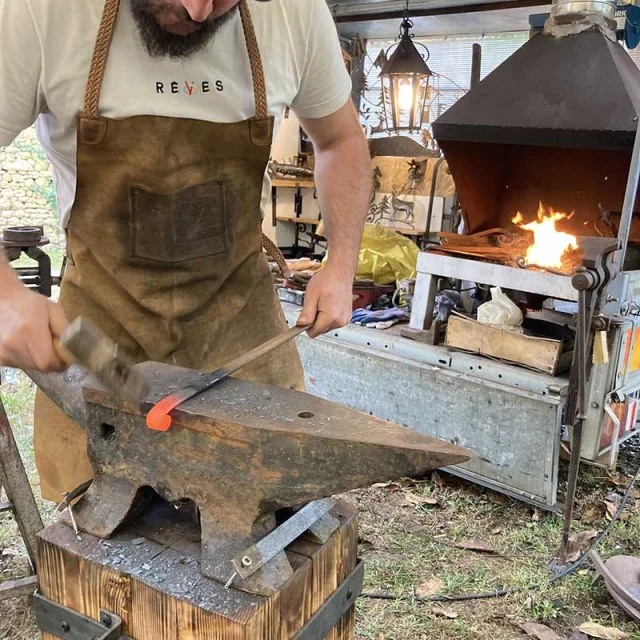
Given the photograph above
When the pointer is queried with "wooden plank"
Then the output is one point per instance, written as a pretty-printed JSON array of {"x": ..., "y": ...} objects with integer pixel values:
[
  {"x": 541, "y": 354},
  {"x": 330, "y": 565},
  {"x": 295, "y": 605},
  {"x": 299, "y": 220},
  {"x": 348, "y": 517},
  {"x": 302, "y": 183},
  {"x": 18, "y": 588}
]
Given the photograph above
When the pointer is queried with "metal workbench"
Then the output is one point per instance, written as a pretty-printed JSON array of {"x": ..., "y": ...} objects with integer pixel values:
[{"x": 509, "y": 417}]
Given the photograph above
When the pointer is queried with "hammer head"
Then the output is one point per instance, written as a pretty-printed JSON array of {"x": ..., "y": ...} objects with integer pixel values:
[{"x": 93, "y": 350}]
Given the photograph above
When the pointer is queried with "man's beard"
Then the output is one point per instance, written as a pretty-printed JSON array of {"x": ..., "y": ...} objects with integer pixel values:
[{"x": 160, "y": 43}]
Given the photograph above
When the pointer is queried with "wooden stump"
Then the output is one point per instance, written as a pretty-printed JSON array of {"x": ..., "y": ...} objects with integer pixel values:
[{"x": 149, "y": 575}]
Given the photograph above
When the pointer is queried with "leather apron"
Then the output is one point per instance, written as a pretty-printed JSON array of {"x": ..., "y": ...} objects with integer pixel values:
[{"x": 164, "y": 248}]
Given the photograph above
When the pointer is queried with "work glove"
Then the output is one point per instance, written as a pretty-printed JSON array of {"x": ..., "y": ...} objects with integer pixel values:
[{"x": 386, "y": 317}]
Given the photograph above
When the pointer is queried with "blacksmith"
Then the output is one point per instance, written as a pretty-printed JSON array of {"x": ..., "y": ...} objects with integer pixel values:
[{"x": 158, "y": 117}]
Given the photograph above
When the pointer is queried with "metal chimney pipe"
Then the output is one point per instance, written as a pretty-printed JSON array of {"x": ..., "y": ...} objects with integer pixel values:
[
  {"x": 604, "y": 8},
  {"x": 476, "y": 65},
  {"x": 569, "y": 17}
]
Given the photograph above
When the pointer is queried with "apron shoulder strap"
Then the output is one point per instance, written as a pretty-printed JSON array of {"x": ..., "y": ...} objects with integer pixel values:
[
  {"x": 103, "y": 44},
  {"x": 257, "y": 70},
  {"x": 99, "y": 58}
]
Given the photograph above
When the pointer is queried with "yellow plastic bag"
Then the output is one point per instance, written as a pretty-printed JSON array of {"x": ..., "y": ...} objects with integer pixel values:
[{"x": 386, "y": 256}]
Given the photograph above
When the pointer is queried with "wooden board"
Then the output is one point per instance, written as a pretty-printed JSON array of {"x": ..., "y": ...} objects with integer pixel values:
[
  {"x": 302, "y": 183},
  {"x": 149, "y": 574},
  {"x": 298, "y": 220},
  {"x": 541, "y": 354}
]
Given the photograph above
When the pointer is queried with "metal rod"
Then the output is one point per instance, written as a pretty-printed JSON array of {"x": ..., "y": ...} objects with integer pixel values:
[
  {"x": 629, "y": 203},
  {"x": 576, "y": 431},
  {"x": 476, "y": 64},
  {"x": 432, "y": 193},
  {"x": 440, "y": 11}
]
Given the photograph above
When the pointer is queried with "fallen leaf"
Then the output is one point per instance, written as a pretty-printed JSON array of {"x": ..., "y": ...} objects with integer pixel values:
[
  {"x": 539, "y": 631},
  {"x": 446, "y": 613},
  {"x": 498, "y": 498},
  {"x": 618, "y": 480},
  {"x": 412, "y": 498},
  {"x": 594, "y": 512},
  {"x": 496, "y": 531},
  {"x": 527, "y": 604},
  {"x": 611, "y": 509},
  {"x": 535, "y": 516},
  {"x": 578, "y": 544},
  {"x": 475, "y": 545},
  {"x": 430, "y": 588},
  {"x": 594, "y": 630}
]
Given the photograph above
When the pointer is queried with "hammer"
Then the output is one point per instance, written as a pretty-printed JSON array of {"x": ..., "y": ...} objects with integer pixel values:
[{"x": 86, "y": 345}]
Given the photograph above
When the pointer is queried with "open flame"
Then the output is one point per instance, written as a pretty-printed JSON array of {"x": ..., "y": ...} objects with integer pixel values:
[{"x": 549, "y": 245}]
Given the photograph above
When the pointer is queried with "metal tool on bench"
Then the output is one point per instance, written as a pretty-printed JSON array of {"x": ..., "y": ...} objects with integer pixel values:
[
  {"x": 242, "y": 452},
  {"x": 158, "y": 417}
]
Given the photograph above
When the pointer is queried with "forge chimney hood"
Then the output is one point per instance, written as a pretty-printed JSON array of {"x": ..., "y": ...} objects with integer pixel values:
[{"x": 569, "y": 86}]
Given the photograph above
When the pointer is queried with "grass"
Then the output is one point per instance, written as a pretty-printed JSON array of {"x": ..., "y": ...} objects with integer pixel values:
[
  {"x": 414, "y": 546},
  {"x": 405, "y": 545}
]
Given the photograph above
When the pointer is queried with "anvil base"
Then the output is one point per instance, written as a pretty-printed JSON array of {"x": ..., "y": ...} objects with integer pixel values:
[{"x": 149, "y": 574}]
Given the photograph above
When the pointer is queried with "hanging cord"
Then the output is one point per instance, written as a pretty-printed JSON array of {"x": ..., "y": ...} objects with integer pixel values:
[{"x": 499, "y": 593}]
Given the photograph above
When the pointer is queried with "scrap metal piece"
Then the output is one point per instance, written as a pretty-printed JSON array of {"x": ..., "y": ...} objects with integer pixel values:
[
  {"x": 70, "y": 496},
  {"x": 247, "y": 562},
  {"x": 622, "y": 578},
  {"x": 62, "y": 622}
]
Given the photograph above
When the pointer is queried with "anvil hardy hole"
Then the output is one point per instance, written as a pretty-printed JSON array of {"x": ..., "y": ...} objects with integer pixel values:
[
  {"x": 107, "y": 432},
  {"x": 306, "y": 414}
]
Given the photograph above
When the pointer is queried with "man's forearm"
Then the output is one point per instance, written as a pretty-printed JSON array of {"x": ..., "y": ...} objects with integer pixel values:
[
  {"x": 343, "y": 179},
  {"x": 7, "y": 274}
]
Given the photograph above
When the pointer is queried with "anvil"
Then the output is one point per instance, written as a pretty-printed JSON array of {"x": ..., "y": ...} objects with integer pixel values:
[{"x": 242, "y": 451}]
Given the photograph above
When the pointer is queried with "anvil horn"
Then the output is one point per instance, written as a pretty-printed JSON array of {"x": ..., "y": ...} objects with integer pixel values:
[{"x": 65, "y": 389}]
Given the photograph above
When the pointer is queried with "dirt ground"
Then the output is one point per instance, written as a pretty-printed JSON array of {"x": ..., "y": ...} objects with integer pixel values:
[{"x": 420, "y": 538}]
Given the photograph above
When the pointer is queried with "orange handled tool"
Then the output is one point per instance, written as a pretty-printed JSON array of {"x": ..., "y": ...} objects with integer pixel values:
[{"x": 160, "y": 420}]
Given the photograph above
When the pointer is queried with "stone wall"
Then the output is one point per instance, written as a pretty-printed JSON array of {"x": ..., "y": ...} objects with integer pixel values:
[{"x": 27, "y": 196}]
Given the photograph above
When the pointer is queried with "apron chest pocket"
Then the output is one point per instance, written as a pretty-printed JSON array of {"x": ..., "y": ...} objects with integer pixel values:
[{"x": 176, "y": 227}]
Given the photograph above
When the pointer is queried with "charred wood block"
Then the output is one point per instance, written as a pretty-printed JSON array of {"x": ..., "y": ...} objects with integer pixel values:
[{"x": 149, "y": 574}]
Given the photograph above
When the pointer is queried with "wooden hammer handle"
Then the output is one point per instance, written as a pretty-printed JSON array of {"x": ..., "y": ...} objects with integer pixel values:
[{"x": 62, "y": 352}]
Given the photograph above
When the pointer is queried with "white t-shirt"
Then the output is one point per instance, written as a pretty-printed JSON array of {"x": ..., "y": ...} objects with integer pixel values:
[{"x": 46, "y": 48}]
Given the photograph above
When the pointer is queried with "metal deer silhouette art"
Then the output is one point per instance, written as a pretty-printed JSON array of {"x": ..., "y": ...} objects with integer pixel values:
[{"x": 403, "y": 206}]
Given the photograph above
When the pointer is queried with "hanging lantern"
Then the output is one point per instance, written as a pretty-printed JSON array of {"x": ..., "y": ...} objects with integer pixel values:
[{"x": 405, "y": 82}]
